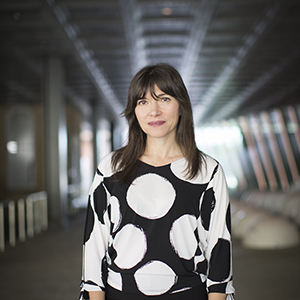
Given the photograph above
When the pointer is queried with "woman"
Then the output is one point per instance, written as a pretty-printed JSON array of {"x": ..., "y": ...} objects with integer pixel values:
[{"x": 158, "y": 218}]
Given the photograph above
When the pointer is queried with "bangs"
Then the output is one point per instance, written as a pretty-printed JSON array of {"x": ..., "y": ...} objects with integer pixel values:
[
  {"x": 149, "y": 88},
  {"x": 149, "y": 81},
  {"x": 165, "y": 77}
]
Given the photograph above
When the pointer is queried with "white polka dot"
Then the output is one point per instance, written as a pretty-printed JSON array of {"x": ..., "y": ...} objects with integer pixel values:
[
  {"x": 151, "y": 196},
  {"x": 155, "y": 278},
  {"x": 116, "y": 216},
  {"x": 131, "y": 245},
  {"x": 182, "y": 236},
  {"x": 114, "y": 279}
]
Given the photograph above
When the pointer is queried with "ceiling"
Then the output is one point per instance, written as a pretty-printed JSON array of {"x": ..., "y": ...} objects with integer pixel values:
[{"x": 237, "y": 57}]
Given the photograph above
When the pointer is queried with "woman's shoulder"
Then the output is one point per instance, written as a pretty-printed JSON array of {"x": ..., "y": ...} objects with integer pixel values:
[
  {"x": 213, "y": 166},
  {"x": 210, "y": 163},
  {"x": 208, "y": 166},
  {"x": 105, "y": 165}
]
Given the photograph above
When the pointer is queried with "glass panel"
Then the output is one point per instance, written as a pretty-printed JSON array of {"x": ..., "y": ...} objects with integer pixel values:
[
  {"x": 224, "y": 141},
  {"x": 20, "y": 145},
  {"x": 253, "y": 153},
  {"x": 273, "y": 146},
  {"x": 283, "y": 138},
  {"x": 263, "y": 151},
  {"x": 294, "y": 133}
]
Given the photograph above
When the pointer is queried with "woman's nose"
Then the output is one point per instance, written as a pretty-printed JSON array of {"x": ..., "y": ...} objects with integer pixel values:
[{"x": 155, "y": 109}]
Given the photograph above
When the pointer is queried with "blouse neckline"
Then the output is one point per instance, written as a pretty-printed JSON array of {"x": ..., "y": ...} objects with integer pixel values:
[{"x": 162, "y": 166}]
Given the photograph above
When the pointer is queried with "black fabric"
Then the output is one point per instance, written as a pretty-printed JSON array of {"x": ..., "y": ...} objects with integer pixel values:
[{"x": 196, "y": 293}]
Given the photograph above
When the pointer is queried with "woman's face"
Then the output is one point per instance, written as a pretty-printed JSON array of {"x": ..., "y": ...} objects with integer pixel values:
[{"x": 158, "y": 118}]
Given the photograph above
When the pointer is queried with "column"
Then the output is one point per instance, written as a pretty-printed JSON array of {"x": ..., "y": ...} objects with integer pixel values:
[
  {"x": 95, "y": 118},
  {"x": 56, "y": 154},
  {"x": 119, "y": 133}
]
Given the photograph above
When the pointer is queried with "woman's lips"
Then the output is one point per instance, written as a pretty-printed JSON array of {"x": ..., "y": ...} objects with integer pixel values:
[{"x": 156, "y": 123}]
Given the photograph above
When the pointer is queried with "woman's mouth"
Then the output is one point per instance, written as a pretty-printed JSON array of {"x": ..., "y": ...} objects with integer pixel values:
[{"x": 156, "y": 123}]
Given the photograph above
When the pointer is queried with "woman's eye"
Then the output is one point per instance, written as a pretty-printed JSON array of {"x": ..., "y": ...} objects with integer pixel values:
[
  {"x": 141, "y": 102},
  {"x": 165, "y": 99}
]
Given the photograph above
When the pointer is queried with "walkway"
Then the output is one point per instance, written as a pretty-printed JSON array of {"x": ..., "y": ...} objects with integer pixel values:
[{"x": 47, "y": 267}]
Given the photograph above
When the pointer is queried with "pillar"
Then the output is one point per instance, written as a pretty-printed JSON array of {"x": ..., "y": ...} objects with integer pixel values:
[
  {"x": 102, "y": 136},
  {"x": 95, "y": 118},
  {"x": 55, "y": 139}
]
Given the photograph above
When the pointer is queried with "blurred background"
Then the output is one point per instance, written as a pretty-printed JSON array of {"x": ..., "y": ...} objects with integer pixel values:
[{"x": 65, "y": 68}]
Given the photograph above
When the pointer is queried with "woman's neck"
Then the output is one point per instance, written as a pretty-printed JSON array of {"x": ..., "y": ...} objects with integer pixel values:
[{"x": 161, "y": 152}]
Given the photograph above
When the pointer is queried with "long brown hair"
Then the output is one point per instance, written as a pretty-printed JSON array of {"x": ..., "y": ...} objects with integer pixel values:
[{"x": 168, "y": 80}]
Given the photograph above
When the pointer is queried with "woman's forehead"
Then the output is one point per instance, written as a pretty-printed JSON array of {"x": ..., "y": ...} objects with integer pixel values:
[{"x": 154, "y": 92}]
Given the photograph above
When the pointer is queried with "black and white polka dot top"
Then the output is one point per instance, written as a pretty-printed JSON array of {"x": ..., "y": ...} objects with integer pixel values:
[{"x": 160, "y": 234}]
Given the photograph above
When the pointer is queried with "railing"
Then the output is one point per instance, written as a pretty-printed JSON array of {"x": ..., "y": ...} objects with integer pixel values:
[{"x": 22, "y": 218}]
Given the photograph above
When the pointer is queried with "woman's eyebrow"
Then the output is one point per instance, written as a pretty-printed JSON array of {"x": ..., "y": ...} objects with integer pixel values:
[
  {"x": 142, "y": 97},
  {"x": 161, "y": 95}
]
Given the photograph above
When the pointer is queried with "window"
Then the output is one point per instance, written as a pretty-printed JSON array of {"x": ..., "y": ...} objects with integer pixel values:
[{"x": 20, "y": 146}]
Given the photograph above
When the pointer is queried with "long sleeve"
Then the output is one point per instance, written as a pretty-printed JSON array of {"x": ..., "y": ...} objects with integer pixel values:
[
  {"x": 219, "y": 248},
  {"x": 96, "y": 237}
]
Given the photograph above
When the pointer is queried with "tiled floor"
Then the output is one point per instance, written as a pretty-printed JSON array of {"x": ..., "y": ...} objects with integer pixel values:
[{"x": 48, "y": 266}]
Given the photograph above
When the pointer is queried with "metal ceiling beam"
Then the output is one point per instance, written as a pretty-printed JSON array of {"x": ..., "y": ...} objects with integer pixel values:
[
  {"x": 28, "y": 61},
  {"x": 21, "y": 90},
  {"x": 101, "y": 36},
  {"x": 16, "y": 86},
  {"x": 108, "y": 22},
  {"x": 241, "y": 98},
  {"x": 86, "y": 59},
  {"x": 168, "y": 3},
  {"x": 280, "y": 95},
  {"x": 78, "y": 4},
  {"x": 19, "y": 5},
  {"x": 34, "y": 66},
  {"x": 162, "y": 37},
  {"x": 131, "y": 14},
  {"x": 199, "y": 30},
  {"x": 78, "y": 101},
  {"x": 208, "y": 100},
  {"x": 162, "y": 23}
]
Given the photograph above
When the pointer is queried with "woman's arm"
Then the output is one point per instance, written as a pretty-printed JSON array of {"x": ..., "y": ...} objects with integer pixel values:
[
  {"x": 216, "y": 296},
  {"x": 98, "y": 295},
  {"x": 218, "y": 250},
  {"x": 96, "y": 236}
]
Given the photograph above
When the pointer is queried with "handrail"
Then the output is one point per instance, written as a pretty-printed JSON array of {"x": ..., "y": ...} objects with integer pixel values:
[{"x": 31, "y": 218}]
